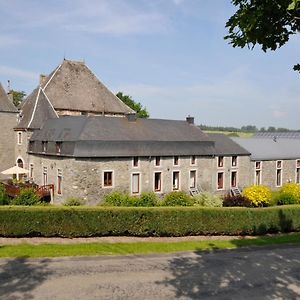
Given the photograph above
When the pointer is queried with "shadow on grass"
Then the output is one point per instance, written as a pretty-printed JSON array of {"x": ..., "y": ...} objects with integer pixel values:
[{"x": 18, "y": 277}]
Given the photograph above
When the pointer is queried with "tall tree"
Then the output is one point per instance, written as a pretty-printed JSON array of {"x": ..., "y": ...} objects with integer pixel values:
[
  {"x": 136, "y": 106},
  {"x": 18, "y": 97},
  {"x": 268, "y": 23}
]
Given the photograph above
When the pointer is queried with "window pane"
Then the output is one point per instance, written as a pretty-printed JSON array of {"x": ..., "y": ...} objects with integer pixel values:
[
  {"x": 192, "y": 179},
  {"x": 234, "y": 179},
  {"x": 220, "y": 180},
  {"x": 157, "y": 182},
  {"x": 175, "y": 180},
  {"x": 135, "y": 183},
  {"x": 220, "y": 161},
  {"x": 107, "y": 178}
]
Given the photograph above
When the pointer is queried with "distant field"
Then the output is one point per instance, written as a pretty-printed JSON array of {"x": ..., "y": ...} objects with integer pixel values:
[{"x": 231, "y": 133}]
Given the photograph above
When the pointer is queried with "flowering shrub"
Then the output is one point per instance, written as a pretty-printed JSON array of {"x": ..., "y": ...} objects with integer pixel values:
[
  {"x": 237, "y": 200},
  {"x": 289, "y": 194},
  {"x": 259, "y": 195}
]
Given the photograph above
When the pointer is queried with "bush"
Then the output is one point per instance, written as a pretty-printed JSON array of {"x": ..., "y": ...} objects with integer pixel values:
[
  {"x": 119, "y": 199},
  {"x": 4, "y": 200},
  {"x": 73, "y": 201},
  {"x": 208, "y": 200},
  {"x": 259, "y": 195},
  {"x": 147, "y": 199},
  {"x": 238, "y": 200},
  {"x": 147, "y": 221},
  {"x": 27, "y": 196},
  {"x": 177, "y": 199},
  {"x": 288, "y": 194}
]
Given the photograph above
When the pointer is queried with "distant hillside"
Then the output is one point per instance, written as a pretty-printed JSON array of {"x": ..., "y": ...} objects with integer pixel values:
[{"x": 231, "y": 133}]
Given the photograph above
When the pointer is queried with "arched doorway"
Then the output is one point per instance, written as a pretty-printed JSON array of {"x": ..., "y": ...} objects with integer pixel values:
[{"x": 20, "y": 163}]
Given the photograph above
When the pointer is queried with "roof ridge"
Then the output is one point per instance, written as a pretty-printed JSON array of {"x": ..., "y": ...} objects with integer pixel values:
[{"x": 35, "y": 106}]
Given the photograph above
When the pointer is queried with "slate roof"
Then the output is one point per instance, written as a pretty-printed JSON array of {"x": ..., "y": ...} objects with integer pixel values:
[
  {"x": 271, "y": 135},
  {"x": 5, "y": 104},
  {"x": 72, "y": 87},
  {"x": 35, "y": 110},
  {"x": 99, "y": 136},
  {"x": 226, "y": 146},
  {"x": 268, "y": 149}
]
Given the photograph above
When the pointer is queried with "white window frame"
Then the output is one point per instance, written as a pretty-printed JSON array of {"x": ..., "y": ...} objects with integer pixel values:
[
  {"x": 223, "y": 162},
  {"x": 138, "y": 161},
  {"x": 191, "y": 160},
  {"x": 260, "y": 171},
  {"x": 223, "y": 188},
  {"x": 19, "y": 137},
  {"x": 237, "y": 178},
  {"x": 31, "y": 171},
  {"x": 179, "y": 180},
  {"x": 45, "y": 172},
  {"x": 237, "y": 163},
  {"x": 193, "y": 170},
  {"x": 112, "y": 178},
  {"x": 296, "y": 170},
  {"x": 161, "y": 182},
  {"x": 155, "y": 159},
  {"x": 60, "y": 174},
  {"x": 178, "y": 164},
  {"x": 139, "y": 183},
  {"x": 281, "y": 171}
]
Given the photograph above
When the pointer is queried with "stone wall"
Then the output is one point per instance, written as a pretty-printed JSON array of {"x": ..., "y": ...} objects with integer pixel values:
[
  {"x": 83, "y": 178},
  {"x": 7, "y": 141},
  {"x": 21, "y": 148},
  {"x": 268, "y": 172}
]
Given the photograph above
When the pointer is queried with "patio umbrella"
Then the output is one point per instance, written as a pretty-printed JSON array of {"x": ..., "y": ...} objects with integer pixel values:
[{"x": 15, "y": 170}]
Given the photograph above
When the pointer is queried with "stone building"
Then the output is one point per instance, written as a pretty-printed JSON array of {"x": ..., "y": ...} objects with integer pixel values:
[
  {"x": 8, "y": 117},
  {"x": 74, "y": 133},
  {"x": 70, "y": 89},
  {"x": 274, "y": 161},
  {"x": 88, "y": 156}
]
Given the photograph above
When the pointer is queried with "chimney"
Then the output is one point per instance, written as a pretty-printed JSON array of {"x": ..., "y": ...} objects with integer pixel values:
[
  {"x": 43, "y": 78},
  {"x": 131, "y": 117},
  {"x": 10, "y": 92},
  {"x": 190, "y": 119}
]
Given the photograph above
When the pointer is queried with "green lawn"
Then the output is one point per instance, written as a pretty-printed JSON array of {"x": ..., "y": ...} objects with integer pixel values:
[{"x": 92, "y": 249}]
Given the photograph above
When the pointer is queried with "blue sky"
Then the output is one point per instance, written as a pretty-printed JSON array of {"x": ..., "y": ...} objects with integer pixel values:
[{"x": 169, "y": 55}]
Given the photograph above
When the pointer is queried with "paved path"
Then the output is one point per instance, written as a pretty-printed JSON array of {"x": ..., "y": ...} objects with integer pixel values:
[{"x": 246, "y": 273}]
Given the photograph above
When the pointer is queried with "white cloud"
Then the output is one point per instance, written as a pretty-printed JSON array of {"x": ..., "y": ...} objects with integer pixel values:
[
  {"x": 105, "y": 16},
  {"x": 10, "y": 71}
]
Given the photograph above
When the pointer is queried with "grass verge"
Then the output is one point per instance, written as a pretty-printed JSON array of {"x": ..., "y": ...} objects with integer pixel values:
[{"x": 95, "y": 249}]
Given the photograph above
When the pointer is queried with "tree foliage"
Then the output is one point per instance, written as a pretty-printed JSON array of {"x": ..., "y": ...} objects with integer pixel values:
[
  {"x": 18, "y": 97},
  {"x": 136, "y": 106},
  {"x": 268, "y": 23}
]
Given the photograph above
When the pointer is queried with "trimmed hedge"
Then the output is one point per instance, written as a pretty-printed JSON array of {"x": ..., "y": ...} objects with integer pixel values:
[{"x": 157, "y": 221}]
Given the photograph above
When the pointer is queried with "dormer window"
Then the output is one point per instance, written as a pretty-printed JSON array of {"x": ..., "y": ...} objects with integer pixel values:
[
  {"x": 58, "y": 147},
  {"x": 44, "y": 146},
  {"x": 135, "y": 161},
  {"x": 176, "y": 161}
]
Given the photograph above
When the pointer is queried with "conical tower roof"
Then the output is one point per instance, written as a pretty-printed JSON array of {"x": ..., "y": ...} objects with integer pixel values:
[
  {"x": 72, "y": 86},
  {"x": 5, "y": 104}
]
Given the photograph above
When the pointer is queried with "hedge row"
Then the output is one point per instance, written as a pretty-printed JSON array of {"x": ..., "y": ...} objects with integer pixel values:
[{"x": 133, "y": 221}]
